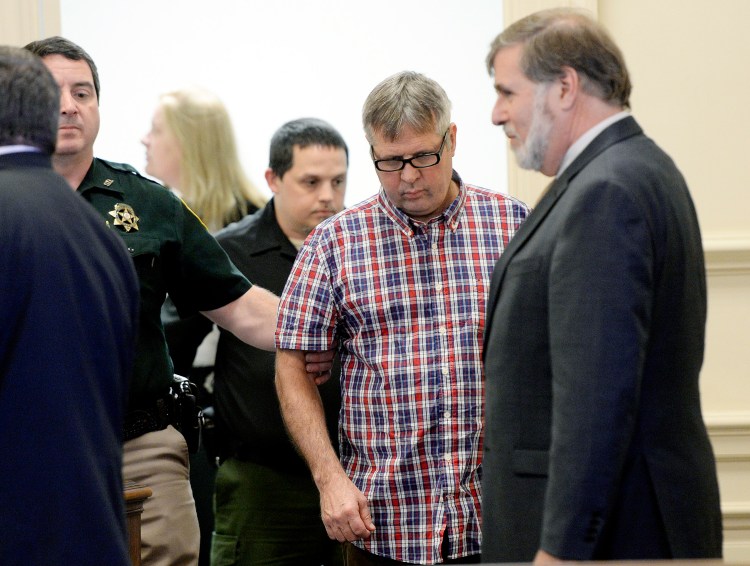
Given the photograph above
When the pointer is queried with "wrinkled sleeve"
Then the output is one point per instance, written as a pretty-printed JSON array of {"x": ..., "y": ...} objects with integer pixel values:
[
  {"x": 307, "y": 315},
  {"x": 199, "y": 273}
]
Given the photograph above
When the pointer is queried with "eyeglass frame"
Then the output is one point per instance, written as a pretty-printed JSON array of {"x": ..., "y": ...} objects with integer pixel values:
[{"x": 403, "y": 161}]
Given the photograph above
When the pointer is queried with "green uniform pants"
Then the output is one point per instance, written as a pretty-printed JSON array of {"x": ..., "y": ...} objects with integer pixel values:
[{"x": 266, "y": 517}]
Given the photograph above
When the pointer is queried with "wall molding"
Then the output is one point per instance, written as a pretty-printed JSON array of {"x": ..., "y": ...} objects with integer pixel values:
[
  {"x": 736, "y": 525},
  {"x": 730, "y": 436},
  {"x": 728, "y": 422},
  {"x": 736, "y": 515},
  {"x": 727, "y": 256}
]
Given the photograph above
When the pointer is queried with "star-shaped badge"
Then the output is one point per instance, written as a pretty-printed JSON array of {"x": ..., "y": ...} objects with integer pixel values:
[{"x": 124, "y": 216}]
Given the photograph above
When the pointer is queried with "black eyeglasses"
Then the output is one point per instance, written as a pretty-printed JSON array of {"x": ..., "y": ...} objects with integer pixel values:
[{"x": 418, "y": 161}]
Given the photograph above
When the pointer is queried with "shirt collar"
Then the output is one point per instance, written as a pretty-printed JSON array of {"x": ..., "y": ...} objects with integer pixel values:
[
  {"x": 410, "y": 227},
  {"x": 6, "y": 149},
  {"x": 97, "y": 177},
  {"x": 581, "y": 143},
  {"x": 268, "y": 234}
]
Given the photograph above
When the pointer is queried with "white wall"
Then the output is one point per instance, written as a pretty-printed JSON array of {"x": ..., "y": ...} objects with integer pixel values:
[{"x": 273, "y": 61}]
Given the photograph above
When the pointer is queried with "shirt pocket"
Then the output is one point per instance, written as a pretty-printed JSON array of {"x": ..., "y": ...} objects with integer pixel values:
[
  {"x": 145, "y": 252},
  {"x": 141, "y": 246},
  {"x": 523, "y": 266}
]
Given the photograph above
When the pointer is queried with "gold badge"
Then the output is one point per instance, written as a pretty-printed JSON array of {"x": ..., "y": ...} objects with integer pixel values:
[
  {"x": 124, "y": 216},
  {"x": 108, "y": 182}
]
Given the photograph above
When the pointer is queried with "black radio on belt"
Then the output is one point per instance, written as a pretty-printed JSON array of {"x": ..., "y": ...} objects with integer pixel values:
[
  {"x": 187, "y": 415},
  {"x": 179, "y": 408}
]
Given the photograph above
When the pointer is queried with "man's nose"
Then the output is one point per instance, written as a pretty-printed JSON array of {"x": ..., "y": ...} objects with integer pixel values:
[
  {"x": 499, "y": 112},
  {"x": 409, "y": 173},
  {"x": 67, "y": 103},
  {"x": 325, "y": 193}
]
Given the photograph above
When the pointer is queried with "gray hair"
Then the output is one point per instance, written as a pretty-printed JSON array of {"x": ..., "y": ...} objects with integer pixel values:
[
  {"x": 406, "y": 99},
  {"x": 566, "y": 37}
]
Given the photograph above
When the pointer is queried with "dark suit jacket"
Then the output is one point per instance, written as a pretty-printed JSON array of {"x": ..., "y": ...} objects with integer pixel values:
[
  {"x": 595, "y": 445},
  {"x": 69, "y": 314}
]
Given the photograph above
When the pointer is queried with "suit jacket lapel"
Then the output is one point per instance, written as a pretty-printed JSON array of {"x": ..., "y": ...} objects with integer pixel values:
[
  {"x": 529, "y": 226},
  {"x": 615, "y": 133}
]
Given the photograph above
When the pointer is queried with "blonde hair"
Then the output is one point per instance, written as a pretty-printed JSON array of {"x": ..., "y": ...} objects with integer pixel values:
[{"x": 211, "y": 176}]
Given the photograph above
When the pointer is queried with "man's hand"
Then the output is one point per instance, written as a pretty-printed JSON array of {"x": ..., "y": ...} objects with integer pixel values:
[
  {"x": 344, "y": 510},
  {"x": 318, "y": 365}
]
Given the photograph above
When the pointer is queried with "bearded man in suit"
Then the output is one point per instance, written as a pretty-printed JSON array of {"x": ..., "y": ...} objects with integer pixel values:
[{"x": 595, "y": 446}]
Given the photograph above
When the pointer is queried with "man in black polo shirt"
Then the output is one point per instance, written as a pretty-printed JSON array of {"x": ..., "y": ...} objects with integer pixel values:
[{"x": 266, "y": 504}]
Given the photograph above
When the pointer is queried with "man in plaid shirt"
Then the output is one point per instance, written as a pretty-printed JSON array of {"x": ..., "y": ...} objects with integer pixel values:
[{"x": 399, "y": 282}]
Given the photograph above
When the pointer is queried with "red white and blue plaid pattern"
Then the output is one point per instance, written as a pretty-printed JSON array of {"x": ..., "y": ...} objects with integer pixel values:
[{"x": 406, "y": 302}]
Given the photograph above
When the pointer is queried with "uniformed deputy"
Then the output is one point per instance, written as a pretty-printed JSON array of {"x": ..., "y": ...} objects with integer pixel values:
[
  {"x": 174, "y": 253},
  {"x": 171, "y": 251}
]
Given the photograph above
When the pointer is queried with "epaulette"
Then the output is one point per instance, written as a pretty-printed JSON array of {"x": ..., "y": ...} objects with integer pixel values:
[
  {"x": 124, "y": 167},
  {"x": 129, "y": 170}
]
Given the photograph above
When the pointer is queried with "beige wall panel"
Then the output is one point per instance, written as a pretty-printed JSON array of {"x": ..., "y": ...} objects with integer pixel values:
[
  {"x": 725, "y": 387},
  {"x": 688, "y": 62},
  {"x": 22, "y": 21},
  {"x": 733, "y": 466},
  {"x": 725, "y": 380}
]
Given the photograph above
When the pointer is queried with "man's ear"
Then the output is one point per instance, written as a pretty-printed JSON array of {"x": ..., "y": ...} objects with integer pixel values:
[
  {"x": 452, "y": 128},
  {"x": 271, "y": 179},
  {"x": 570, "y": 87}
]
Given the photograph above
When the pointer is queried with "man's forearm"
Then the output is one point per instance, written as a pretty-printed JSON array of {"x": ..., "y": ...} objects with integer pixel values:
[
  {"x": 251, "y": 317},
  {"x": 343, "y": 507},
  {"x": 302, "y": 410}
]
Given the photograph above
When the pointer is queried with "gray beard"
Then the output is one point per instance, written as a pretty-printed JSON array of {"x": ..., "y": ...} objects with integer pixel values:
[{"x": 531, "y": 154}]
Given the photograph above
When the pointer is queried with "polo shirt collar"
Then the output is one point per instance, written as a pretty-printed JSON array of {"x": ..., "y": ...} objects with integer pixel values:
[{"x": 269, "y": 234}]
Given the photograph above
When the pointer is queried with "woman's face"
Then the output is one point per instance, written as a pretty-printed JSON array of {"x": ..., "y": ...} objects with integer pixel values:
[{"x": 163, "y": 154}]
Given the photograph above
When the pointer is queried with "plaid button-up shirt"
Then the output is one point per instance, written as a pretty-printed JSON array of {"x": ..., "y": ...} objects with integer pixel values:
[{"x": 406, "y": 302}]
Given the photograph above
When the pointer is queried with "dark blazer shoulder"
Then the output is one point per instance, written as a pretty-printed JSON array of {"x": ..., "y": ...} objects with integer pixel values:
[{"x": 612, "y": 135}]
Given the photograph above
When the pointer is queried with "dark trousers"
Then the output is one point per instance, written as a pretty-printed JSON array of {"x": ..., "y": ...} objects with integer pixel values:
[
  {"x": 355, "y": 556},
  {"x": 267, "y": 517}
]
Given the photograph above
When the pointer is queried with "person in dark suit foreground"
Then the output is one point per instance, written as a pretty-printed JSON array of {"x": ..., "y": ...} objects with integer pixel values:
[
  {"x": 69, "y": 312},
  {"x": 595, "y": 445}
]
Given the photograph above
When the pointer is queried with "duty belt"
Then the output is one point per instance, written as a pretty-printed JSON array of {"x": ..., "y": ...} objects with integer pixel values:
[{"x": 140, "y": 421}]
